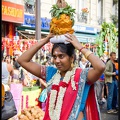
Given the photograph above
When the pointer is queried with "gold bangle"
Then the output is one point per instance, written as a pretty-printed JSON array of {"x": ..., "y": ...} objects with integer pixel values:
[{"x": 87, "y": 54}]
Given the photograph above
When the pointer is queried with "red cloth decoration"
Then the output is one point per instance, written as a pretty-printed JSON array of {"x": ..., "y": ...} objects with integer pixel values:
[{"x": 91, "y": 105}]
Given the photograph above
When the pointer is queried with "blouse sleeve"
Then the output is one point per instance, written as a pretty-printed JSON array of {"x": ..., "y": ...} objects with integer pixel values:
[
  {"x": 50, "y": 71},
  {"x": 47, "y": 72}
]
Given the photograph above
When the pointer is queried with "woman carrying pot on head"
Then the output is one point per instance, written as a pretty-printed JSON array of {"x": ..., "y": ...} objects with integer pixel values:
[{"x": 70, "y": 89}]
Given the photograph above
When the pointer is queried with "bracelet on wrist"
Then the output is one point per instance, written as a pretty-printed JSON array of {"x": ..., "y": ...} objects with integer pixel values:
[
  {"x": 87, "y": 54},
  {"x": 81, "y": 49}
]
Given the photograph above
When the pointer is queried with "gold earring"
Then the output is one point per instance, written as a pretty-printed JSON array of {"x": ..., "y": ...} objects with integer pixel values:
[{"x": 72, "y": 65}]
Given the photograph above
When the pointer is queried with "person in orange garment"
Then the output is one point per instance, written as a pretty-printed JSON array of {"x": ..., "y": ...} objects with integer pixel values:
[{"x": 116, "y": 66}]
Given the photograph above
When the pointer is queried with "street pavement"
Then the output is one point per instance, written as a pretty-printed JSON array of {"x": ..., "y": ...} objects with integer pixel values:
[{"x": 105, "y": 115}]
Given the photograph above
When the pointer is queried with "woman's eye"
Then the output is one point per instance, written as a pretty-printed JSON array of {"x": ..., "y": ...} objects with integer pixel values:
[{"x": 61, "y": 56}]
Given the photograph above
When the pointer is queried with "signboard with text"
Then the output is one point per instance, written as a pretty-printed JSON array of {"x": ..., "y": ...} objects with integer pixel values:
[
  {"x": 85, "y": 29},
  {"x": 29, "y": 21},
  {"x": 12, "y": 12}
]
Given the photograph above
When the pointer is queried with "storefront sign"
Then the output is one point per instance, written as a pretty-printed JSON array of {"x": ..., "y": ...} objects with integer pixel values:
[
  {"x": 86, "y": 40},
  {"x": 85, "y": 29},
  {"x": 29, "y": 21},
  {"x": 12, "y": 12}
]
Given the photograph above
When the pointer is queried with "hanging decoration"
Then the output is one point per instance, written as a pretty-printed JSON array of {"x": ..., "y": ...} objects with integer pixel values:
[{"x": 21, "y": 45}]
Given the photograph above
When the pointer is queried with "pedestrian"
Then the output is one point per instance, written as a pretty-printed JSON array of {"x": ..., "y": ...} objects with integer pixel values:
[
  {"x": 116, "y": 67},
  {"x": 7, "y": 73},
  {"x": 70, "y": 89},
  {"x": 15, "y": 63},
  {"x": 8, "y": 59},
  {"x": 99, "y": 84},
  {"x": 18, "y": 67},
  {"x": 111, "y": 82},
  {"x": 82, "y": 62},
  {"x": 117, "y": 71},
  {"x": 17, "y": 73}
]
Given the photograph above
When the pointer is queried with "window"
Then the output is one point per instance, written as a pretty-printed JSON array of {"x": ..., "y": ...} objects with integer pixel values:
[
  {"x": 100, "y": 12},
  {"x": 81, "y": 4},
  {"x": 29, "y": 6},
  {"x": 114, "y": 8}
]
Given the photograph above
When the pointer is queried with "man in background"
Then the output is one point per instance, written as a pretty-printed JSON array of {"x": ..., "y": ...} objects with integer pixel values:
[{"x": 111, "y": 82}]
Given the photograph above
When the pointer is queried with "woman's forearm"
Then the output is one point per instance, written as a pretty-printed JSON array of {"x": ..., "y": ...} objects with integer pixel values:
[
  {"x": 97, "y": 64},
  {"x": 94, "y": 60}
]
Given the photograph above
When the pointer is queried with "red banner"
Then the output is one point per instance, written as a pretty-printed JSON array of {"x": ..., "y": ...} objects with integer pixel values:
[{"x": 12, "y": 12}]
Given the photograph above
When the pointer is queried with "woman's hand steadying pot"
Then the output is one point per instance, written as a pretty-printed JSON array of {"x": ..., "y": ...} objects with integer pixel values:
[
  {"x": 73, "y": 40},
  {"x": 50, "y": 35}
]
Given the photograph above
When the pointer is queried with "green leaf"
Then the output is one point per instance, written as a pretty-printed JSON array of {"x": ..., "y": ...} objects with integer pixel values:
[{"x": 67, "y": 10}]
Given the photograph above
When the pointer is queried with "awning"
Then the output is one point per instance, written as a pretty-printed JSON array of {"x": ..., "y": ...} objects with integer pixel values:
[
  {"x": 29, "y": 32},
  {"x": 82, "y": 37},
  {"x": 86, "y": 38}
]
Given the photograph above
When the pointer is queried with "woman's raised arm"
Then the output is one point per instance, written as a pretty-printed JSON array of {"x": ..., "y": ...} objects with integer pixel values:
[
  {"x": 25, "y": 59},
  {"x": 98, "y": 65}
]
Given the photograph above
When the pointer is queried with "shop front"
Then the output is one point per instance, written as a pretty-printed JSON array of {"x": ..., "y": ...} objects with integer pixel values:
[{"x": 12, "y": 15}]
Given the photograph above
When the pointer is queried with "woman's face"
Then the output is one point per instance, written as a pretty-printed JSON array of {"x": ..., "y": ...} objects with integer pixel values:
[{"x": 62, "y": 60}]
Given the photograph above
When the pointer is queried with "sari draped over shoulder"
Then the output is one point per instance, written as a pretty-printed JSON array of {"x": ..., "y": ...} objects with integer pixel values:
[{"x": 83, "y": 100}]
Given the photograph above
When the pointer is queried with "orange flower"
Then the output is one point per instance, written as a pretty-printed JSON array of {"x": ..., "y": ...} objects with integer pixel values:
[
  {"x": 85, "y": 10},
  {"x": 61, "y": 25}
]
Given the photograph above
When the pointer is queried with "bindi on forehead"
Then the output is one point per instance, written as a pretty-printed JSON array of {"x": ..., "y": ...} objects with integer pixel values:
[{"x": 56, "y": 53}]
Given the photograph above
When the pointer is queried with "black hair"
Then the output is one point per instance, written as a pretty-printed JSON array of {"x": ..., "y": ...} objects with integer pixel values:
[
  {"x": 69, "y": 49},
  {"x": 14, "y": 59},
  {"x": 16, "y": 65},
  {"x": 112, "y": 53},
  {"x": 80, "y": 57},
  {"x": 7, "y": 56}
]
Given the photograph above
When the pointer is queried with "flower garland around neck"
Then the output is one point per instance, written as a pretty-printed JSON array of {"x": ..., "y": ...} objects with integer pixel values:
[{"x": 55, "y": 111}]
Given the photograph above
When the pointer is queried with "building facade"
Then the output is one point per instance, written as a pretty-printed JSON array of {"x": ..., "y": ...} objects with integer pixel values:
[{"x": 18, "y": 17}]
